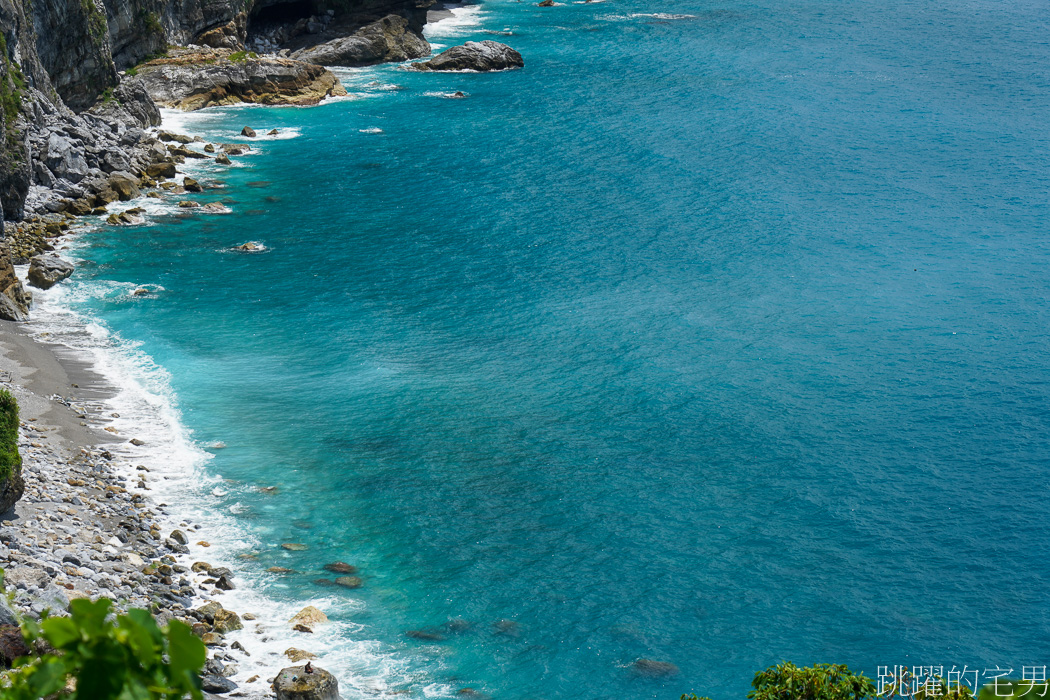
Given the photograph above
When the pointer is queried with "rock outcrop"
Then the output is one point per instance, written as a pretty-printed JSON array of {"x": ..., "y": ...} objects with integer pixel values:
[
  {"x": 45, "y": 271},
  {"x": 131, "y": 105},
  {"x": 389, "y": 39},
  {"x": 192, "y": 80},
  {"x": 305, "y": 683},
  {"x": 481, "y": 56},
  {"x": 14, "y": 301},
  {"x": 72, "y": 41}
]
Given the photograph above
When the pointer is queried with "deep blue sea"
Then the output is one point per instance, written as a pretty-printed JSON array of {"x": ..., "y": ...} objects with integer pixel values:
[{"x": 718, "y": 335}]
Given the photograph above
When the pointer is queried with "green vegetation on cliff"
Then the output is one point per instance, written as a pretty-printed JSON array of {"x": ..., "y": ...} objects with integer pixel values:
[
  {"x": 96, "y": 21},
  {"x": 12, "y": 84},
  {"x": 10, "y": 460},
  {"x": 126, "y": 658}
]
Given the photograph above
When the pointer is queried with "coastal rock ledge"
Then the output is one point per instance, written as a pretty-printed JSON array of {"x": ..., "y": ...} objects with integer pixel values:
[
  {"x": 389, "y": 39},
  {"x": 194, "y": 79},
  {"x": 482, "y": 56}
]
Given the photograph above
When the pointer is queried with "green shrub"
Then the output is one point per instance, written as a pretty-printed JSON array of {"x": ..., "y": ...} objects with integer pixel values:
[
  {"x": 151, "y": 22},
  {"x": 96, "y": 21},
  {"x": 242, "y": 56},
  {"x": 126, "y": 658},
  {"x": 786, "y": 681},
  {"x": 10, "y": 460}
]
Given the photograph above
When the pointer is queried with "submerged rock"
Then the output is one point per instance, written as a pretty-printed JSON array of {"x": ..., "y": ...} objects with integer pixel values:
[
  {"x": 425, "y": 635},
  {"x": 475, "y": 56},
  {"x": 45, "y": 271},
  {"x": 340, "y": 567},
  {"x": 389, "y": 39},
  {"x": 349, "y": 582},
  {"x": 655, "y": 669},
  {"x": 299, "y": 683}
]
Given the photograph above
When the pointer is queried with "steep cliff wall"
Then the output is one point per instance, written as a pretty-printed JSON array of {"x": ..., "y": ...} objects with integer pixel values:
[
  {"x": 72, "y": 41},
  {"x": 61, "y": 57},
  {"x": 14, "y": 156}
]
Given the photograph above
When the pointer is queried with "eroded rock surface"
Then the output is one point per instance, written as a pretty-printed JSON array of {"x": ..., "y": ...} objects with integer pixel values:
[
  {"x": 481, "y": 56},
  {"x": 193, "y": 80},
  {"x": 389, "y": 39}
]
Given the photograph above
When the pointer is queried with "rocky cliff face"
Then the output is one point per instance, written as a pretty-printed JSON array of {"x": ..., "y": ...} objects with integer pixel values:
[
  {"x": 59, "y": 58},
  {"x": 72, "y": 41}
]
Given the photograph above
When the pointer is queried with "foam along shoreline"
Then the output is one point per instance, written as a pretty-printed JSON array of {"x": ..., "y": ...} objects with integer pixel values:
[
  {"x": 86, "y": 526},
  {"x": 112, "y": 474},
  {"x": 118, "y": 503}
]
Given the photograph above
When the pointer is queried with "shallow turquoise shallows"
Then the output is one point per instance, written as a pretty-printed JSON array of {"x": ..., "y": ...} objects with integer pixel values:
[{"x": 718, "y": 335}]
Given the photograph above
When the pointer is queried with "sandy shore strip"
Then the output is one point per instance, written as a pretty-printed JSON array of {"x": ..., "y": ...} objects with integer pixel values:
[{"x": 86, "y": 525}]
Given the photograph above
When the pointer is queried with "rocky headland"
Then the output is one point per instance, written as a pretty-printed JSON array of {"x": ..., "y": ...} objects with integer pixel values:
[{"x": 190, "y": 79}]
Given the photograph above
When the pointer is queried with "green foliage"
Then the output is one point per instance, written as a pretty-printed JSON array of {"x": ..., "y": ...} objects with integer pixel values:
[
  {"x": 242, "y": 56},
  {"x": 10, "y": 460},
  {"x": 96, "y": 21},
  {"x": 126, "y": 658},
  {"x": 786, "y": 681},
  {"x": 151, "y": 22}
]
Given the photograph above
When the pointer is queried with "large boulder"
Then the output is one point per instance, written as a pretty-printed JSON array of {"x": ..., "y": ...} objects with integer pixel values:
[
  {"x": 131, "y": 105},
  {"x": 45, "y": 271},
  {"x": 309, "y": 617},
  {"x": 124, "y": 185},
  {"x": 64, "y": 159},
  {"x": 475, "y": 56},
  {"x": 14, "y": 300},
  {"x": 190, "y": 80},
  {"x": 389, "y": 39},
  {"x": 295, "y": 683}
]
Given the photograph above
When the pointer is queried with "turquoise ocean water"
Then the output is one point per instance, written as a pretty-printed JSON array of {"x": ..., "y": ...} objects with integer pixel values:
[{"x": 717, "y": 335}]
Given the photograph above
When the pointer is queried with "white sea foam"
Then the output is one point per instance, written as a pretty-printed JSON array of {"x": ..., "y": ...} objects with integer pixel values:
[
  {"x": 179, "y": 476},
  {"x": 200, "y": 501},
  {"x": 371, "y": 130},
  {"x": 463, "y": 21}
]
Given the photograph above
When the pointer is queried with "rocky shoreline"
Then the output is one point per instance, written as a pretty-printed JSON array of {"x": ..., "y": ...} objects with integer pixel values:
[{"x": 86, "y": 523}]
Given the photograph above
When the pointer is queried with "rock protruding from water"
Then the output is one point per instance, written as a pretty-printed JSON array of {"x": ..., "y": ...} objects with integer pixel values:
[
  {"x": 296, "y": 683},
  {"x": 389, "y": 39},
  {"x": 194, "y": 79},
  {"x": 309, "y": 617},
  {"x": 482, "y": 56},
  {"x": 14, "y": 299},
  {"x": 45, "y": 271}
]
